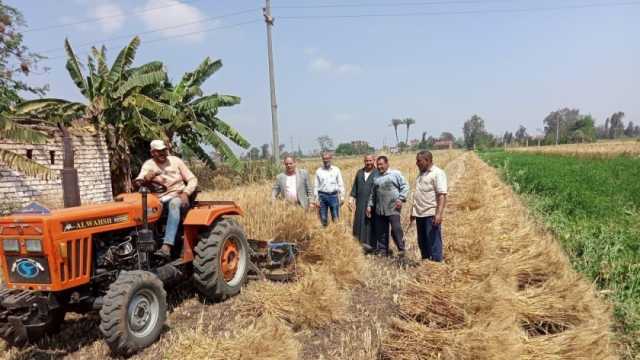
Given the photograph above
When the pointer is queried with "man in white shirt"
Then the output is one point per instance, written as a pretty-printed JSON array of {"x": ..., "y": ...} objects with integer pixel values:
[
  {"x": 292, "y": 185},
  {"x": 180, "y": 182},
  {"x": 429, "y": 201},
  {"x": 328, "y": 190}
]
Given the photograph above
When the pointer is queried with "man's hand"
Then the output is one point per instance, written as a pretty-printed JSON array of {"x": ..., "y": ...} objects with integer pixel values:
[
  {"x": 184, "y": 199},
  {"x": 398, "y": 204},
  {"x": 437, "y": 220},
  {"x": 151, "y": 174},
  {"x": 368, "y": 212},
  {"x": 350, "y": 205},
  {"x": 412, "y": 218}
]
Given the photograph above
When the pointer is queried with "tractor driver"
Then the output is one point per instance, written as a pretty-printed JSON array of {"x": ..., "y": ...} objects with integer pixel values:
[{"x": 180, "y": 182}]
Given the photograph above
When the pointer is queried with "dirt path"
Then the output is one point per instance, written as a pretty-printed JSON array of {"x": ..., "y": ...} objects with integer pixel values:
[{"x": 506, "y": 290}]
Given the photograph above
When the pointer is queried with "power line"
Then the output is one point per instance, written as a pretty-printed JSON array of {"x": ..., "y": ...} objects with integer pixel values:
[
  {"x": 107, "y": 40},
  {"x": 394, "y": 4},
  {"x": 180, "y": 35},
  {"x": 113, "y": 16},
  {"x": 465, "y": 12}
]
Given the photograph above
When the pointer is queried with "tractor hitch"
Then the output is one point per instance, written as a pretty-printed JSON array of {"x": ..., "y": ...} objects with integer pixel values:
[{"x": 26, "y": 315}]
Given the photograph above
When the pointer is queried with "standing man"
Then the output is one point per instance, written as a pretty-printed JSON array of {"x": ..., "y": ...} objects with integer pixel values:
[
  {"x": 171, "y": 172},
  {"x": 360, "y": 193},
  {"x": 292, "y": 185},
  {"x": 390, "y": 191},
  {"x": 328, "y": 189},
  {"x": 429, "y": 202}
]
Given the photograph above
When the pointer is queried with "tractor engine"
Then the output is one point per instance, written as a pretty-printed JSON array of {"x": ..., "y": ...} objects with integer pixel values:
[{"x": 115, "y": 251}]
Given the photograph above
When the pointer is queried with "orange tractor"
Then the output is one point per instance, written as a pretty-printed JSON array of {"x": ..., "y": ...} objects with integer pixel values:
[{"x": 101, "y": 258}]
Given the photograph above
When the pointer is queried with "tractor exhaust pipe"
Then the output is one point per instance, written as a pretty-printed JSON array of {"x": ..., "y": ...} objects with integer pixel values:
[{"x": 70, "y": 187}]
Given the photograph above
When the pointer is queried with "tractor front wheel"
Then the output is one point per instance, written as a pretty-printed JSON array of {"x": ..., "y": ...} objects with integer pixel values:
[
  {"x": 221, "y": 260},
  {"x": 134, "y": 312}
]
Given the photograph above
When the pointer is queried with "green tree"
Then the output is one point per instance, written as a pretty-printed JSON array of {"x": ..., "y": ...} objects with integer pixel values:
[
  {"x": 447, "y": 136},
  {"x": 563, "y": 123},
  {"x": 521, "y": 135},
  {"x": 265, "y": 151},
  {"x": 345, "y": 149},
  {"x": 132, "y": 105},
  {"x": 395, "y": 123},
  {"x": 475, "y": 134},
  {"x": 408, "y": 122},
  {"x": 254, "y": 153},
  {"x": 11, "y": 129},
  {"x": 616, "y": 125},
  {"x": 629, "y": 131},
  {"x": 325, "y": 142},
  {"x": 16, "y": 61}
]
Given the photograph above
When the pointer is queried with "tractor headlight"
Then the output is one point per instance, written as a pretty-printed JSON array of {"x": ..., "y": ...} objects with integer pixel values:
[
  {"x": 11, "y": 245},
  {"x": 33, "y": 245}
]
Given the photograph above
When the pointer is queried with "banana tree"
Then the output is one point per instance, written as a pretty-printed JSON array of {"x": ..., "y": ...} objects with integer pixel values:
[
  {"x": 117, "y": 104},
  {"x": 12, "y": 130},
  {"x": 197, "y": 123}
]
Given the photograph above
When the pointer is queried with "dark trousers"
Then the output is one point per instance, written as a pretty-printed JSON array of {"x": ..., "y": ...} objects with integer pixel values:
[
  {"x": 429, "y": 238},
  {"x": 328, "y": 202},
  {"x": 381, "y": 232}
]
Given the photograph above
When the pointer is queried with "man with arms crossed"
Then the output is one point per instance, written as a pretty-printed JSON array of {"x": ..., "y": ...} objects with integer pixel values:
[
  {"x": 171, "y": 172},
  {"x": 292, "y": 185},
  {"x": 328, "y": 190},
  {"x": 390, "y": 191},
  {"x": 429, "y": 202}
]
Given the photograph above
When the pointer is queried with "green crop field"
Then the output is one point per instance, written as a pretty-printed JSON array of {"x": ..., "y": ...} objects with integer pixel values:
[{"x": 593, "y": 206}]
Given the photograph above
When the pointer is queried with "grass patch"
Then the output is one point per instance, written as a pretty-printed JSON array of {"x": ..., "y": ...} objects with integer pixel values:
[{"x": 593, "y": 206}]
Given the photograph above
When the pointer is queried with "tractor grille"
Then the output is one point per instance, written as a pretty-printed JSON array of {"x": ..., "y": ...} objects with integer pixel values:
[{"x": 76, "y": 264}]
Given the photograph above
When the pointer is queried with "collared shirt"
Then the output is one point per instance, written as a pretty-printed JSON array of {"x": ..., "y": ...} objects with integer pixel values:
[
  {"x": 329, "y": 181},
  {"x": 173, "y": 174},
  {"x": 387, "y": 189},
  {"x": 291, "y": 188},
  {"x": 428, "y": 185}
]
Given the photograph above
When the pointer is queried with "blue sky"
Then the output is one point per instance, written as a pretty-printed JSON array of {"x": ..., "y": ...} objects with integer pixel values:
[{"x": 347, "y": 77}]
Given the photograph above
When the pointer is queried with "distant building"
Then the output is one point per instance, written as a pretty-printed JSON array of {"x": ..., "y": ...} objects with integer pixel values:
[
  {"x": 443, "y": 144},
  {"x": 414, "y": 142}
]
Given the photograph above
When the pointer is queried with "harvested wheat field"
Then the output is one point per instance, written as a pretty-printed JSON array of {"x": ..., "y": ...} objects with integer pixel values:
[
  {"x": 601, "y": 149},
  {"x": 505, "y": 290}
]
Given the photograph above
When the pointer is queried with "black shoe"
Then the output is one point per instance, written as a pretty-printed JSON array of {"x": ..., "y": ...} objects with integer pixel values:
[{"x": 161, "y": 254}]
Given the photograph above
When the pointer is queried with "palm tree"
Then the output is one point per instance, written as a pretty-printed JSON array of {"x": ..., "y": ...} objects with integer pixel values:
[
  {"x": 132, "y": 105},
  {"x": 10, "y": 129},
  {"x": 395, "y": 123},
  {"x": 408, "y": 122}
]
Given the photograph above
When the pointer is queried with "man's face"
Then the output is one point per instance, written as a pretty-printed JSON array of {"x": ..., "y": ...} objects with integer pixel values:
[
  {"x": 423, "y": 163},
  {"x": 326, "y": 160},
  {"x": 382, "y": 165},
  {"x": 369, "y": 163},
  {"x": 290, "y": 165},
  {"x": 159, "y": 156}
]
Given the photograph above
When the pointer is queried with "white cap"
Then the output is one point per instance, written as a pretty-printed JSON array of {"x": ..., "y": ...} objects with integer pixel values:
[{"x": 158, "y": 145}]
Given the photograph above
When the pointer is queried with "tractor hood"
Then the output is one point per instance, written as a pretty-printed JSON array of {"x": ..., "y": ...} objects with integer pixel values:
[{"x": 126, "y": 211}]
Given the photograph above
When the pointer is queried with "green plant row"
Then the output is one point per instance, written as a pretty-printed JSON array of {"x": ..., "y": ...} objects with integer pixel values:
[{"x": 593, "y": 206}]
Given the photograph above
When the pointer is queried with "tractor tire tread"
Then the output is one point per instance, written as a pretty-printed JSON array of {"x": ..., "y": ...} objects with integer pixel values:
[{"x": 113, "y": 323}]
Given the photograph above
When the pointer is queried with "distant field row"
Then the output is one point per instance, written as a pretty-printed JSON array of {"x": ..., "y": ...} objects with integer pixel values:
[
  {"x": 604, "y": 149},
  {"x": 593, "y": 205}
]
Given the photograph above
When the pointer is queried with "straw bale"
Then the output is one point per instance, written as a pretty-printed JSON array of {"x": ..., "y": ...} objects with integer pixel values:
[{"x": 267, "y": 338}]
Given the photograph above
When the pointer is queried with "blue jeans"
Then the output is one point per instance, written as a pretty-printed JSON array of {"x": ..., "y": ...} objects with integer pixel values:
[
  {"x": 328, "y": 202},
  {"x": 429, "y": 238},
  {"x": 173, "y": 220}
]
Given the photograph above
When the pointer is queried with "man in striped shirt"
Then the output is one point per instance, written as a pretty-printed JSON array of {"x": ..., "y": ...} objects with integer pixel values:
[{"x": 328, "y": 190}]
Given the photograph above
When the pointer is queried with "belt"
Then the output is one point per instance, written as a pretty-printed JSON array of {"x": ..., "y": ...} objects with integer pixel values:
[{"x": 328, "y": 193}]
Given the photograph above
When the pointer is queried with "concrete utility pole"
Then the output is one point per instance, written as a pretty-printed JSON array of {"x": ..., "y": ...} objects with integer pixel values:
[{"x": 268, "y": 19}]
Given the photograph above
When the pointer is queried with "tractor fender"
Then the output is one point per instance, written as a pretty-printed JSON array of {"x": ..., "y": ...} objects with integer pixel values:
[
  {"x": 203, "y": 215},
  {"x": 206, "y": 212}
]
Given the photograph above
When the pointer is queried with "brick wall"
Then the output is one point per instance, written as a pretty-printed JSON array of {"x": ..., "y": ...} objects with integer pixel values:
[{"x": 91, "y": 160}]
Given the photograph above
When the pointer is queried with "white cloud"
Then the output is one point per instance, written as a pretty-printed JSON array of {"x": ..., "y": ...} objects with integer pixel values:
[
  {"x": 112, "y": 16},
  {"x": 322, "y": 64},
  {"x": 172, "y": 14}
]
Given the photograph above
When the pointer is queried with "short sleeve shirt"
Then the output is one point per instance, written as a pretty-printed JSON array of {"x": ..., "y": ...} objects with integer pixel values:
[{"x": 428, "y": 185}]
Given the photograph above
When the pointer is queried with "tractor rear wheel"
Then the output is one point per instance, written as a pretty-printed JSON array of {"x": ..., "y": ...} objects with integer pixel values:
[
  {"x": 221, "y": 260},
  {"x": 134, "y": 312}
]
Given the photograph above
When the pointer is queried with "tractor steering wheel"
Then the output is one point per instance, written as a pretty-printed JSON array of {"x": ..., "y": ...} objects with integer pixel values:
[{"x": 153, "y": 186}]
